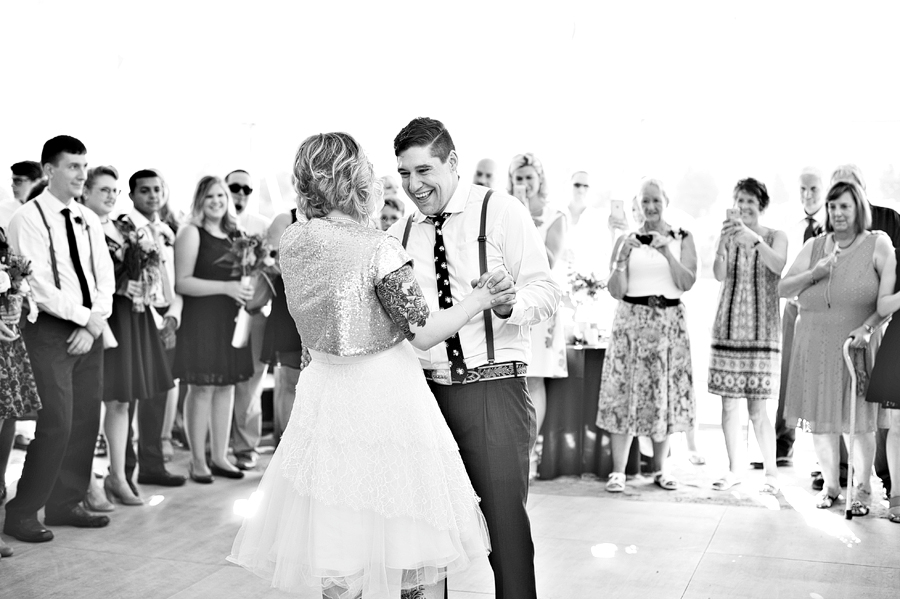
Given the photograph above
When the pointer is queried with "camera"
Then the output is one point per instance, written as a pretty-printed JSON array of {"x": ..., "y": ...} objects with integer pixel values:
[{"x": 644, "y": 239}]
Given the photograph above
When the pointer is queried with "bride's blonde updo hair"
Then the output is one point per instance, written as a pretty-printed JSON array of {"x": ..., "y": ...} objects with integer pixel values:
[{"x": 331, "y": 171}]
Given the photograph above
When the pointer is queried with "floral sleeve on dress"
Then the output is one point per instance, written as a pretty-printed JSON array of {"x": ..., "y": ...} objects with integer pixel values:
[{"x": 397, "y": 288}]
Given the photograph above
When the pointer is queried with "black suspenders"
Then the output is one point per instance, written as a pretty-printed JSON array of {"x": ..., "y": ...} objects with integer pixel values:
[
  {"x": 482, "y": 263},
  {"x": 53, "y": 265}
]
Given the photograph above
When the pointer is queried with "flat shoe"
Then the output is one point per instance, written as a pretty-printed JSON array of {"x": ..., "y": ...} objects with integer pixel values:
[
  {"x": 5, "y": 550},
  {"x": 203, "y": 479},
  {"x": 769, "y": 489},
  {"x": 825, "y": 501},
  {"x": 726, "y": 482},
  {"x": 225, "y": 472},
  {"x": 664, "y": 482},
  {"x": 894, "y": 509},
  {"x": 697, "y": 460},
  {"x": 859, "y": 509}
]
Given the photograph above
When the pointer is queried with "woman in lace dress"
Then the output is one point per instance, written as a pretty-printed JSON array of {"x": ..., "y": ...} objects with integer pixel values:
[
  {"x": 366, "y": 494},
  {"x": 745, "y": 358}
]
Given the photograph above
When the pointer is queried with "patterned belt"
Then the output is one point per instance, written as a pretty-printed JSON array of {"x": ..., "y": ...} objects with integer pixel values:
[
  {"x": 492, "y": 372},
  {"x": 654, "y": 301}
]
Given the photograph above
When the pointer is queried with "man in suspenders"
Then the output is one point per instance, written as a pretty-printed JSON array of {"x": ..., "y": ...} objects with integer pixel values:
[
  {"x": 462, "y": 233},
  {"x": 73, "y": 283}
]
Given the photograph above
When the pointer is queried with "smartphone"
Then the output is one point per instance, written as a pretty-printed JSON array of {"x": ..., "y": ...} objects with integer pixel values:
[
  {"x": 617, "y": 210},
  {"x": 519, "y": 192},
  {"x": 733, "y": 214}
]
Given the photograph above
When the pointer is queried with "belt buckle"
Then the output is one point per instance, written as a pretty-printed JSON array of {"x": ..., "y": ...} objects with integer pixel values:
[
  {"x": 655, "y": 301},
  {"x": 441, "y": 376}
]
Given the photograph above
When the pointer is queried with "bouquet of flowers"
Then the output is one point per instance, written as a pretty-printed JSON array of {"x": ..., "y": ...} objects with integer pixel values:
[
  {"x": 141, "y": 261},
  {"x": 14, "y": 286},
  {"x": 248, "y": 256},
  {"x": 584, "y": 288}
]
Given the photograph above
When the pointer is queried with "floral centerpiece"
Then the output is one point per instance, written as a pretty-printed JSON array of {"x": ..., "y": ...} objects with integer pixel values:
[
  {"x": 585, "y": 291},
  {"x": 249, "y": 256},
  {"x": 141, "y": 263}
]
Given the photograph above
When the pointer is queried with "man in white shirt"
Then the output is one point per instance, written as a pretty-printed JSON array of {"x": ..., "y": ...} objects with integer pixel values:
[
  {"x": 478, "y": 378},
  {"x": 246, "y": 427},
  {"x": 812, "y": 197},
  {"x": 25, "y": 176},
  {"x": 146, "y": 193},
  {"x": 73, "y": 283},
  {"x": 484, "y": 173}
]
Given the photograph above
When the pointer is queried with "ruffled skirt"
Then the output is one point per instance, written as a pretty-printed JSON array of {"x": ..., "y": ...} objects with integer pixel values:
[{"x": 366, "y": 491}]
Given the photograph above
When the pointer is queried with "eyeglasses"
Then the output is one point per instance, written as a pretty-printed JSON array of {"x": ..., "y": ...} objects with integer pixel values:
[
  {"x": 236, "y": 188},
  {"x": 21, "y": 180},
  {"x": 580, "y": 185},
  {"x": 110, "y": 191}
]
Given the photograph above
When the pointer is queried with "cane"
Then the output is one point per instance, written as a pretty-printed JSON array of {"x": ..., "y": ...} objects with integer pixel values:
[{"x": 848, "y": 513}]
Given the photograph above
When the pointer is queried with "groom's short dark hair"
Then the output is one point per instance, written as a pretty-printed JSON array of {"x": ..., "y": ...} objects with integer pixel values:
[{"x": 427, "y": 132}]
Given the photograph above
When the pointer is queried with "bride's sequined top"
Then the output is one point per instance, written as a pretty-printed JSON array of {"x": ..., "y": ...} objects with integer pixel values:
[{"x": 333, "y": 272}]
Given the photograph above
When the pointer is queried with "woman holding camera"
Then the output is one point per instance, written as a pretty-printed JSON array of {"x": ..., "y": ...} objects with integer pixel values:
[
  {"x": 647, "y": 386},
  {"x": 745, "y": 358}
]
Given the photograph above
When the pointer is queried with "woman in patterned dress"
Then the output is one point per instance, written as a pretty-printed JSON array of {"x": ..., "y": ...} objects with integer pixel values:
[
  {"x": 836, "y": 278},
  {"x": 647, "y": 384},
  {"x": 548, "y": 341},
  {"x": 745, "y": 359}
]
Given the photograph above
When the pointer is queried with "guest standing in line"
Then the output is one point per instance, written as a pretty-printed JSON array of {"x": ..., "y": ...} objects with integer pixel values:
[
  {"x": 744, "y": 360},
  {"x": 548, "y": 341},
  {"x": 647, "y": 385},
  {"x": 18, "y": 394},
  {"x": 73, "y": 283},
  {"x": 204, "y": 356},
  {"x": 836, "y": 278}
]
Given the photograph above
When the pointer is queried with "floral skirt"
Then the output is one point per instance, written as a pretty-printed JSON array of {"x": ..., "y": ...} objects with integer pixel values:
[
  {"x": 18, "y": 394},
  {"x": 647, "y": 386}
]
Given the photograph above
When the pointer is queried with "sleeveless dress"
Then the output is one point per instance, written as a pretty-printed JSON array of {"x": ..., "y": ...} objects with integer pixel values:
[
  {"x": 548, "y": 339},
  {"x": 884, "y": 384},
  {"x": 203, "y": 354},
  {"x": 366, "y": 492},
  {"x": 281, "y": 336},
  {"x": 647, "y": 386},
  {"x": 818, "y": 384},
  {"x": 745, "y": 359},
  {"x": 137, "y": 368}
]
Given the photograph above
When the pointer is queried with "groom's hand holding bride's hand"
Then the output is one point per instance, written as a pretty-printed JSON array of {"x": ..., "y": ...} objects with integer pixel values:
[{"x": 502, "y": 288}]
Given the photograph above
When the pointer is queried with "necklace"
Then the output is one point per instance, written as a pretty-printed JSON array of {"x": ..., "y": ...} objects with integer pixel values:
[
  {"x": 844, "y": 247},
  {"x": 344, "y": 218}
]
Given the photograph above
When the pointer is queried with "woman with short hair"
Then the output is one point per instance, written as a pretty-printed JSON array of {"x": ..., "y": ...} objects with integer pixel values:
[
  {"x": 836, "y": 278},
  {"x": 647, "y": 385}
]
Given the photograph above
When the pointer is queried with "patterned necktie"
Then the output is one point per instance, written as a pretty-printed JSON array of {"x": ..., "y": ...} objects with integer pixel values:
[
  {"x": 76, "y": 259},
  {"x": 812, "y": 228},
  {"x": 445, "y": 301}
]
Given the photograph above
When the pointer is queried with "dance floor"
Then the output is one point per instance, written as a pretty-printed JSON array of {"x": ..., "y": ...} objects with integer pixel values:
[{"x": 647, "y": 543}]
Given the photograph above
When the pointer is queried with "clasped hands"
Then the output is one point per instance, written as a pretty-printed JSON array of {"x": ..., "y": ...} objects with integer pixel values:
[
  {"x": 501, "y": 285},
  {"x": 82, "y": 339}
]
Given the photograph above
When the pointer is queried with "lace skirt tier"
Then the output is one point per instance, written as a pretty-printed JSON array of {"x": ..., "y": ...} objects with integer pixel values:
[{"x": 366, "y": 491}]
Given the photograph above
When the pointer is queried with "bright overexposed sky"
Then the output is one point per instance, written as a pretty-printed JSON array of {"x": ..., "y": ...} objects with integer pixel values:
[{"x": 620, "y": 89}]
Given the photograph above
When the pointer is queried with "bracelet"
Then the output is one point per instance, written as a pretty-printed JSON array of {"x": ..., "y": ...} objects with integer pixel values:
[{"x": 758, "y": 241}]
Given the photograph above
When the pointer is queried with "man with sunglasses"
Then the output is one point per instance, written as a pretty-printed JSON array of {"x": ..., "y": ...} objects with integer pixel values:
[{"x": 246, "y": 428}]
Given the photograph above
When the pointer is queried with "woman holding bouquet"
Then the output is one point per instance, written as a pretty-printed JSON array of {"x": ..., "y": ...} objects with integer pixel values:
[
  {"x": 18, "y": 394},
  {"x": 136, "y": 368},
  {"x": 204, "y": 356}
]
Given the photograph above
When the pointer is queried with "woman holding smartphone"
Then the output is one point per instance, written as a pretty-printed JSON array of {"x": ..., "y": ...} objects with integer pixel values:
[{"x": 745, "y": 359}]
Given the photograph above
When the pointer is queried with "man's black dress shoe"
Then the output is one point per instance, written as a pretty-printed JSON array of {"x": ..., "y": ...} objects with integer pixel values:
[
  {"x": 28, "y": 530},
  {"x": 226, "y": 473},
  {"x": 163, "y": 479},
  {"x": 76, "y": 516}
]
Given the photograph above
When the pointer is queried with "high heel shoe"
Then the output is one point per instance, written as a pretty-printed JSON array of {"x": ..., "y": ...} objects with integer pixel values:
[
  {"x": 95, "y": 500},
  {"x": 121, "y": 492},
  {"x": 219, "y": 471},
  {"x": 203, "y": 479}
]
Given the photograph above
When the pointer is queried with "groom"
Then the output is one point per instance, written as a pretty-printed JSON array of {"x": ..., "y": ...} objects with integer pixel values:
[{"x": 478, "y": 376}]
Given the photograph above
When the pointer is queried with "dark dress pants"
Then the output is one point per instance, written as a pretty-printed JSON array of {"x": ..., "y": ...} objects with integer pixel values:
[
  {"x": 494, "y": 425},
  {"x": 57, "y": 466},
  {"x": 784, "y": 434},
  {"x": 151, "y": 414}
]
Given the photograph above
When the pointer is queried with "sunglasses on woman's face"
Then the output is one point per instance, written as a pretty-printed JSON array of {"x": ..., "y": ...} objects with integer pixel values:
[
  {"x": 236, "y": 188},
  {"x": 580, "y": 185}
]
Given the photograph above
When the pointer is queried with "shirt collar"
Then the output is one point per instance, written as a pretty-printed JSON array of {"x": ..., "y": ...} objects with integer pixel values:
[
  {"x": 54, "y": 204},
  {"x": 457, "y": 202},
  {"x": 818, "y": 216},
  {"x": 140, "y": 221}
]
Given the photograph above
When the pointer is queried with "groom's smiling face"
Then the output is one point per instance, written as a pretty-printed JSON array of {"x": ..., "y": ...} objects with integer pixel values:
[{"x": 427, "y": 181}]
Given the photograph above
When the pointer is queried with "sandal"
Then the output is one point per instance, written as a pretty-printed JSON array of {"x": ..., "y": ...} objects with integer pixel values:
[
  {"x": 825, "y": 501},
  {"x": 769, "y": 489},
  {"x": 664, "y": 482},
  {"x": 894, "y": 509},
  {"x": 858, "y": 508},
  {"x": 696, "y": 459},
  {"x": 616, "y": 482},
  {"x": 726, "y": 482}
]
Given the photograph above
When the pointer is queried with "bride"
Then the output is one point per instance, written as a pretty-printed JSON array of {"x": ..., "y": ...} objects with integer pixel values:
[{"x": 366, "y": 494}]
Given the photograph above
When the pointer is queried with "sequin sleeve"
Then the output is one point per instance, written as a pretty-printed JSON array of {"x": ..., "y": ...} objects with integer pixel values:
[{"x": 402, "y": 297}]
